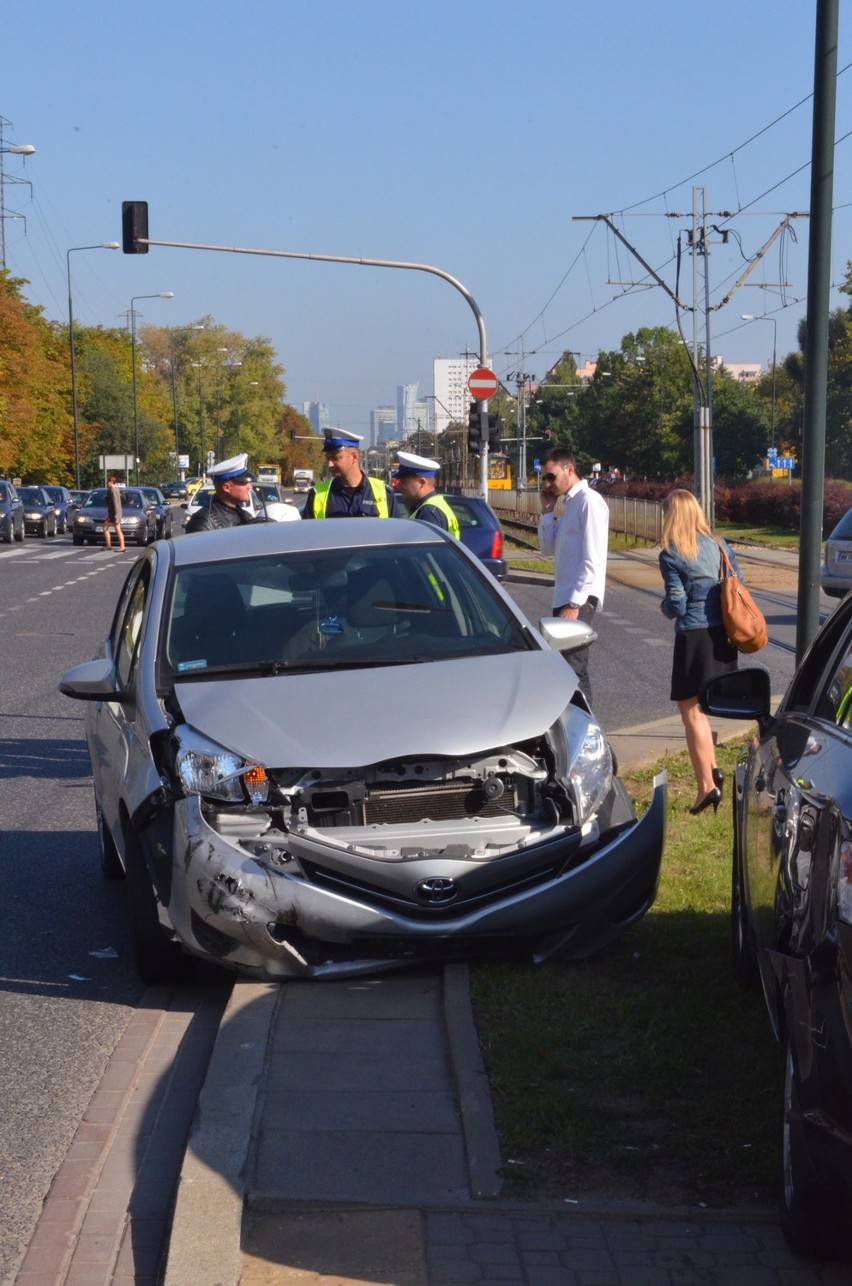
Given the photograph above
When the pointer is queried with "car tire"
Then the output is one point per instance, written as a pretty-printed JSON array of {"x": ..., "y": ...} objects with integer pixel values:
[
  {"x": 43, "y": 530},
  {"x": 7, "y": 534},
  {"x": 111, "y": 867},
  {"x": 159, "y": 962},
  {"x": 19, "y": 535},
  {"x": 744, "y": 966},
  {"x": 813, "y": 1218}
]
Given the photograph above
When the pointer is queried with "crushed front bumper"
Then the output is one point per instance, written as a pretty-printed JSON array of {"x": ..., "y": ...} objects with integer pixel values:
[{"x": 296, "y": 914}]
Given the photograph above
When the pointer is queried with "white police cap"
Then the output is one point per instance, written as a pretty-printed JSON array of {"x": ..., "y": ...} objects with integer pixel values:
[
  {"x": 416, "y": 464},
  {"x": 334, "y": 439},
  {"x": 233, "y": 470}
]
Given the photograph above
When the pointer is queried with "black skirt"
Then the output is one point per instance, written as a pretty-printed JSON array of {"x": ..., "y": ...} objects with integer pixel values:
[{"x": 699, "y": 655}]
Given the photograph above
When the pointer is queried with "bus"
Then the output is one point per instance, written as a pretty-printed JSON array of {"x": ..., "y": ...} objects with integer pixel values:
[{"x": 499, "y": 473}]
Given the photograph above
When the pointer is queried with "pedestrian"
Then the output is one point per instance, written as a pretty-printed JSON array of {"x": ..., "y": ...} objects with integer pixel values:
[
  {"x": 575, "y": 534},
  {"x": 417, "y": 484},
  {"x": 690, "y": 562},
  {"x": 350, "y": 493},
  {"x": 229, "y": 503},
  {"x": 113, "y": 517}
]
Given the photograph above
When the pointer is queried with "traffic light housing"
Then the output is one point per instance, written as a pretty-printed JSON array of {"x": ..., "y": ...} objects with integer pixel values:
[
  {"x": 474, "y": 429},
  {"x": 134, "y": 224},
  {"x": 495, "y": 432}
]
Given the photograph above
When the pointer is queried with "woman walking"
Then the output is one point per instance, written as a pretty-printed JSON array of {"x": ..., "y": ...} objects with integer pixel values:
[
  {"x": 113, "y": 518},
  {"x": 689, "y": 562}
]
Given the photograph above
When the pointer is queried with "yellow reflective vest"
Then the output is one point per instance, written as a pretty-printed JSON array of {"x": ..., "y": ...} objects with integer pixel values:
[{"x": 377, "y": 487}]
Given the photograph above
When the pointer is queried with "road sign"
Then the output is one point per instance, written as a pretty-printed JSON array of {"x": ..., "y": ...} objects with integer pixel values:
[
  {"x": 784, "y": 462},
  {"x": 482, "y": 383}
]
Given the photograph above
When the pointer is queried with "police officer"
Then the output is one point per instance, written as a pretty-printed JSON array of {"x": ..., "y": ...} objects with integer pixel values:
[
  {"x": 350, "y": 493},
  {"x": 232, "y": 482},
  {"x": 417, "y": 483}
]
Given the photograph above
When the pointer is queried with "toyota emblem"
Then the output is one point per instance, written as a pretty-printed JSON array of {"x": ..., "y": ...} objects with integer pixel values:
[{"x": 437, "y": 891}]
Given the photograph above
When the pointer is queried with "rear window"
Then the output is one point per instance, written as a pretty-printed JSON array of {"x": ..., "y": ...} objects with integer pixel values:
[{"x": 843, "y": 530}]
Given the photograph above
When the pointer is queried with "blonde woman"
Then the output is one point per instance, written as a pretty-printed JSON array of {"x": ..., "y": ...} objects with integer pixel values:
[{"x": 689, "y": 563}]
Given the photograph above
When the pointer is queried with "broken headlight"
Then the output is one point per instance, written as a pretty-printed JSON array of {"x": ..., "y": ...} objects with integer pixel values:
[
  {"x": 583, "y": 760},
  {"x": 206, "y": 768}
]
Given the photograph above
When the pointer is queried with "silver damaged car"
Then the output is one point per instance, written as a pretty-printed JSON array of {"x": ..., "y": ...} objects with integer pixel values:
[{"x": 337, "y": 747}]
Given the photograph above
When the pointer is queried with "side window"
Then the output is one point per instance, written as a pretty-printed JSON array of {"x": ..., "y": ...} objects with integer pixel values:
[
  {"x": 835, "y": 703},
  {"x": 127, "y": 631},
  {"x": 811, "y": 675}
]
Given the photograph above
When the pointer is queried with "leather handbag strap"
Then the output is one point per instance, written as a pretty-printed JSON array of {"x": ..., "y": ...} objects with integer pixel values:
[{"x": 725, "y": 561}]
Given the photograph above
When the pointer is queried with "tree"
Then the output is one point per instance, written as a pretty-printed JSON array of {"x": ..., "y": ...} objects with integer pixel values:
[{"x": 36, "y": 427}]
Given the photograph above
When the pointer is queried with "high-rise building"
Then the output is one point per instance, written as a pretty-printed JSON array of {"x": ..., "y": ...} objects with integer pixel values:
[
  {"x": 452, "y": 396},
  {"x": 382, "y": 425},
  {"x": 406, "y": 415},
  {"x": 319, "y": 414}
]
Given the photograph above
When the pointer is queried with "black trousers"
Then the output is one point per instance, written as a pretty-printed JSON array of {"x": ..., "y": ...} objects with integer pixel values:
[{"x": 579, "y": 660}]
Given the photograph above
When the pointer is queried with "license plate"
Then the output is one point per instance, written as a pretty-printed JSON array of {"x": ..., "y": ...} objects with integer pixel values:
[
  {"x": 97, "y": 528},
  {"x": 842, "y": 556}
]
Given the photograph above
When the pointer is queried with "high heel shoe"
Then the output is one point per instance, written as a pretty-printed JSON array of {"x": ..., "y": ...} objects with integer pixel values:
[
  {"x": 718, "y": 778},
  {"x": 713, "y": 797}
]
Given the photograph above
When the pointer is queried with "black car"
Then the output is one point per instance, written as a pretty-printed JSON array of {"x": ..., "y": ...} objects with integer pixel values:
[
  {"x": 791, "y": 916},
  {"x": 66, "y": 507},
  {"x": 174, "y": 490},
  {"x": 39, "y": 511},
  {"x": 479, "y": 529},
  {"x": 11, "y": 513},
  {"x": 163, "y": 510}
]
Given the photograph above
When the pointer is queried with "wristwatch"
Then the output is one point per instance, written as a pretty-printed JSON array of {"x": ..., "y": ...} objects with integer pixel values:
[{"x": 576, "y": 605}]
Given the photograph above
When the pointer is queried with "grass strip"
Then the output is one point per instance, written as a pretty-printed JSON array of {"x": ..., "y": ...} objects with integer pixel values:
[{"x": 645, "y": 1072}]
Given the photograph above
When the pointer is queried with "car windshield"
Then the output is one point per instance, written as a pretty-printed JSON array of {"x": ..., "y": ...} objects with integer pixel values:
[
  {"x": 335, "y": 609},
  {"x": 201, "y": 499},
  {"x": 31, "y": 496},
  {"x": 55, "y": 493},
  {"x": 843, "y": 530},
  {"x": 98, "y": 499},
  {"x": 4, "y": 495}
]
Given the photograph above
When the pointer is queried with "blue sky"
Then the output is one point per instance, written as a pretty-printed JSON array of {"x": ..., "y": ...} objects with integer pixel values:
[{"x": 464, "y": 134}]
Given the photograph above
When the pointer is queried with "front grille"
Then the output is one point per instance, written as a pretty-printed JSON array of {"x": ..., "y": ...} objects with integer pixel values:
[{"x": 439, "y": 802}]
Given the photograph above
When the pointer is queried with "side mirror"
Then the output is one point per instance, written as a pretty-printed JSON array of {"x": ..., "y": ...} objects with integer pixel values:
[
  {"x": 742, "y": 694},
  {"x": 91, "y": 681},
  {"x": 565, "y": 635}
]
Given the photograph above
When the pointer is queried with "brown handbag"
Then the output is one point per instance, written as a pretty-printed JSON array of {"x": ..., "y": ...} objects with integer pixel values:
[{"x": 743, "y": 620}]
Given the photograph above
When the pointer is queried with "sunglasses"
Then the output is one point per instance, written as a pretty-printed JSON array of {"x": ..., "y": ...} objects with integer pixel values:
[{"x": 551, "y": 477}]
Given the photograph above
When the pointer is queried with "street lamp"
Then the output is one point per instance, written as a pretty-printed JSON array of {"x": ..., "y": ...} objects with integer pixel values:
[
  {"x": 102, "y": 245},
  {"x": 13, "y": 149},
  {"x": 751, "y": 317},
  {"x": 161, "y": 294}
]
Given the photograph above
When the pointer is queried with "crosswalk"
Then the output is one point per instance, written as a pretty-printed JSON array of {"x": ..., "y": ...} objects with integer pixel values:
[{"x": 47, "y": 554}]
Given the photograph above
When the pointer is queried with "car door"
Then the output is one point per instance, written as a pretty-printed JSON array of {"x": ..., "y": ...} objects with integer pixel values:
[{"x": 117, "y": 752}]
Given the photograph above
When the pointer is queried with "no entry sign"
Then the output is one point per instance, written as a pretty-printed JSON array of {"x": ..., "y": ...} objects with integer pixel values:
[{"x": 482, "y": 383}]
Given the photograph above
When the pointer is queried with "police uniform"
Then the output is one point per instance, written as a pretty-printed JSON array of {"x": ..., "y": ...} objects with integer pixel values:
[
  {"x": 218, "y": 515},
  {"x": 432, "y": 508},
  {"x": 372, "y": 498}
]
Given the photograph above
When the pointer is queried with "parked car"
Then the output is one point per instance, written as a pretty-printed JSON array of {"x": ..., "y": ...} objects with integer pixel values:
[
  {"x": 174, "y": 490},
  {"x": 163, "y": 510},
  {"x": 11, "y": 513},
  {"x": 39, "y": 512},
  {"x": 138, "y": 518},
  {"x": 836, "y": 570},
  {"x": 479, "y": 529},
  {"x": 66, "y": 507},
  {"x": 272, "y": 810},
  {"x": 791, "y": 912}
]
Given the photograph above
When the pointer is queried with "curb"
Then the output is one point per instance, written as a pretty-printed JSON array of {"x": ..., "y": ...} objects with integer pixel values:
[{"x": 482, "y": 1146}]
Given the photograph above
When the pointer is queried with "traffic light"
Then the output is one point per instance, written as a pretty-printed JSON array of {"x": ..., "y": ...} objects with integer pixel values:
[
  {"x": 495, "y": 432},
  {"x": 474, "y": 429},
  {"x": 134, "y": 224}
]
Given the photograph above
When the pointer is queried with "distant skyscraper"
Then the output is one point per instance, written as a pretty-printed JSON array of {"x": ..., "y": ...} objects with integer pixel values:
[
  {"x": 406, "y": 415},
  {"x": 452, "y": 396},
  {"x": 382, "y": 425},
  {"x": 319, "y": 414}
]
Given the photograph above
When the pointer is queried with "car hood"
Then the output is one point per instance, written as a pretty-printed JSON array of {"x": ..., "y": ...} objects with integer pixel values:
[{"x": 350, "y": 718}]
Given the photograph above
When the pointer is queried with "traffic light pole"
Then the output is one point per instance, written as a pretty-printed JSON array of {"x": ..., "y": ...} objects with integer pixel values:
[{"x": 137, "y": 241}]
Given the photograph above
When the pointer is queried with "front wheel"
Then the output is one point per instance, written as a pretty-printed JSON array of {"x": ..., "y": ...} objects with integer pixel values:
[
  {"x": 815, "y": 1218},
  {"x": 159, "y": 962},
  {"x": 7, "y": 534}
]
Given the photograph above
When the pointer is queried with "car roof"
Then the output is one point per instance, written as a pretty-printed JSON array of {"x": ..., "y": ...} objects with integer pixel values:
[{"x": 297, "y": 537}]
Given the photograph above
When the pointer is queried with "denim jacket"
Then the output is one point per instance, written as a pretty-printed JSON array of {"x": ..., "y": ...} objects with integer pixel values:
[{"x": 692, "y": 585}]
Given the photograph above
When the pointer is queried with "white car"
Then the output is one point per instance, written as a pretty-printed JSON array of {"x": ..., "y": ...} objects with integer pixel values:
[
  {"x": 257, "y": 504},
  {"x": 274, "y": 503}
]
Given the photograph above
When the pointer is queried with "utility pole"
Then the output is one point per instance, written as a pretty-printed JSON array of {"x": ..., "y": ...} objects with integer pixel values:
[
  {"x": 521, "y": 379},
  {"x": 698, "y": 239}
]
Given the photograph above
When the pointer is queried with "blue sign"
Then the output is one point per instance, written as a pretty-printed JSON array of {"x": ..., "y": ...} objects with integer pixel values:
[
  {"x": 784, "y": 462},
  {"x": 537, "y": 465}
]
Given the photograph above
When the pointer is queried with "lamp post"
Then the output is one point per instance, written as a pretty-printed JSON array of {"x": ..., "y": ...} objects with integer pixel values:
[
  {"x": 161, "y": 294},
  {"x": 101, "y": 245},
  {"x": 14, "y": 149},
  {"x": 752, "y": 317}
]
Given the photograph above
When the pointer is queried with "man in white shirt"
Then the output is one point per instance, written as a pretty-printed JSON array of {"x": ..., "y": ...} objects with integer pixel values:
[{"x": 576, "y": 538}]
